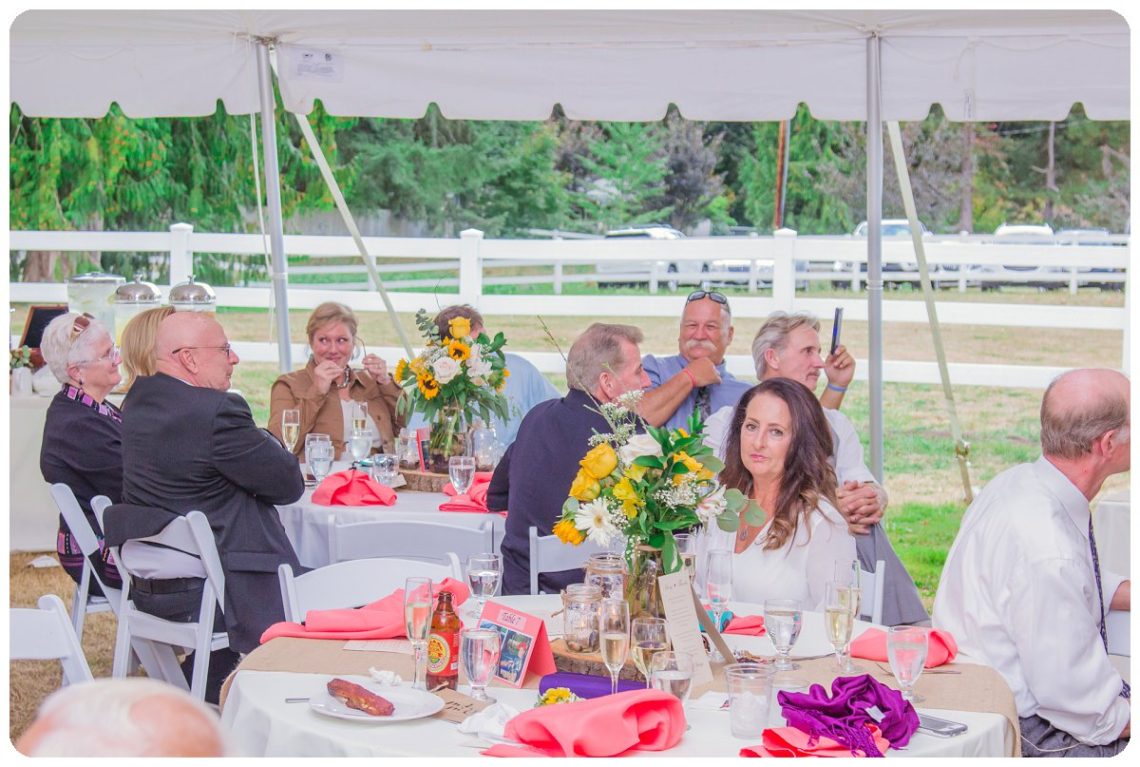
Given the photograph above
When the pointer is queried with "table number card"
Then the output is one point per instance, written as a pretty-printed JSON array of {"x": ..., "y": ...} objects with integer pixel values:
[
  {"x": 525, "y": 647},
  {"x": 676, "y": 595}
]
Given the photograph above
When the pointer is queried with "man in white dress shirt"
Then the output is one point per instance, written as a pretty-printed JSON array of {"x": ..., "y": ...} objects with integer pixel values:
[{"x": 1022, "y": 590}]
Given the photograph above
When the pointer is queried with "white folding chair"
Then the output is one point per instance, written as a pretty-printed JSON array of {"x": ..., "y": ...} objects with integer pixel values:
[
  {"x": 82, "y": 602},
  {"x": 1118, "y": 629},
  {"x": 548, "y": 554},
  {"x": 190, "y": 534},
  {"x": 46, "y": 633},
  {"x": 871, "y": 584},
  {"x": 354, "y": 583},
  {"x": 425, "y": 541}
]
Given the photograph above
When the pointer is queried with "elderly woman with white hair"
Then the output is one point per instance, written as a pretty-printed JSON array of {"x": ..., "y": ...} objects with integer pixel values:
[{"x": 82, "y": 446}]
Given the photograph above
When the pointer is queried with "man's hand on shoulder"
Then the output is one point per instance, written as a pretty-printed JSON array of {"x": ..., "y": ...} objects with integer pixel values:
[
  {"x": 860, "y": 505},
  {"x": 704, "y": 372}
]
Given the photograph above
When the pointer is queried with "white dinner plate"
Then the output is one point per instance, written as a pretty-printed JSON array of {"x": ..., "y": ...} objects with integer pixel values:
[{"x": 408, "y": 703}]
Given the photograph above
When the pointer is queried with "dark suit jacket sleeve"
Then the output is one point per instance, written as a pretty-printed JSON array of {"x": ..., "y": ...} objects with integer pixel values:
[
  {"x": 499, "y": 489},
  {"x": 252, "y": 458}
]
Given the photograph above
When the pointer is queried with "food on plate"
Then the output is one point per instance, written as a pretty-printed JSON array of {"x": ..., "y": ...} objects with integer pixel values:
[{"x": 360, "y": 698}]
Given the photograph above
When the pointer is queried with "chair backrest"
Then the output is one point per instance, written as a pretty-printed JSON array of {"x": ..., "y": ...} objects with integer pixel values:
[
  {"x": 354, "y": 583},
  {"x": 1119, "y": 632},
  {"x": 425, "y": 541},
  {"x": 548, "y": 554},
  {"x": 83, "y": 534},
  {"x": 46, "y": 633},
  {"x": 871, "y": 584}
]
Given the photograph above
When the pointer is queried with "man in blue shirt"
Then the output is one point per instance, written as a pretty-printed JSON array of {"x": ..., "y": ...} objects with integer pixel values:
[{"x": 695, "y": 378}]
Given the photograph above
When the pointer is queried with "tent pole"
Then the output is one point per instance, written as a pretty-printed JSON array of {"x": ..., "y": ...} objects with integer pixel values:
[
  {"x": 273, "y": 203},
  {"x": 875, "y": 251}
]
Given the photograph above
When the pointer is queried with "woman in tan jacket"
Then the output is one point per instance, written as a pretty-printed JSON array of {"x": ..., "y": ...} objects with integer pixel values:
[{"x": 325, "y": 389}]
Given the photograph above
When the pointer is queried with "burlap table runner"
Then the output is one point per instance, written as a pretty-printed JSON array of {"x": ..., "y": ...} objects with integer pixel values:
[{"x": 973, "y": 688}]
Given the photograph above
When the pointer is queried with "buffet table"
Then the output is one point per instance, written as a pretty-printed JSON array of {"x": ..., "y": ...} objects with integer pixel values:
[{"x": 261, "y": 723}]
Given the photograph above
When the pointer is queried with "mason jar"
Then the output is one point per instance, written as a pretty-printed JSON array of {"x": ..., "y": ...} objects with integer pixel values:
[
  {"x": 608, "y": 572},
  {"x": 580, "y": 617}
]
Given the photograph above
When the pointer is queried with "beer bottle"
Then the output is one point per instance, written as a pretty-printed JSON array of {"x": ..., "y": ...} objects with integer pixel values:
[{"x": 443, "y": 645}]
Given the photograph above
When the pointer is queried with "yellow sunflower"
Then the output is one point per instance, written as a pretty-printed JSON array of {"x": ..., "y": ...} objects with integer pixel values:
[
  {"x": 401, "y": 368},
  {"x": 429, "y": 387},
  {"x": 458, "y": 350}
]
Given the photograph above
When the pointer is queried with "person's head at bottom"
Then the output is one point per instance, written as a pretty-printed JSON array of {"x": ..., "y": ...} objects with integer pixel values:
[{"x": 123, "y": 717}]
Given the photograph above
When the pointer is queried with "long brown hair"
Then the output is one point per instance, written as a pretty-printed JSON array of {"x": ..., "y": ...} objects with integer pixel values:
[{"x": 807, "y": 477}]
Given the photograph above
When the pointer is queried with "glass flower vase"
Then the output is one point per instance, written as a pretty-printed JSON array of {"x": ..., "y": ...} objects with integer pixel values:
[
  {"x": 448, "y": 437},
  {"x": 642, "y": 593}
]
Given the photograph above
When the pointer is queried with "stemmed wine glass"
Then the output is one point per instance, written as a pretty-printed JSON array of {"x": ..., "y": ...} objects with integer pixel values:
[
  {"x": 417, "y": 621},
  {"x": 783, "y": 618},
  {"x": 839, "y": 619},
  {"x": 906, "y": 652},
  {"x": 479, "y": 654},
  {"x": 484, "y": 572},
  {"x": 847, "y": 574},
  {"x": 461, "y": 471},
  {"x": 613, "y": 626},
  {"x": 319, "y": 455},
  {"x": 290, "y": 428},
  {"x": 672, "y": 672},
  {"x": 648, "y": 638},
  {"x": 718, "y": 585}
]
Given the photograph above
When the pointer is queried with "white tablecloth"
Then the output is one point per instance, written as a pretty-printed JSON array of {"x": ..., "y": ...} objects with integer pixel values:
[
  {"x": 1113, "y": 528},
  {"x": 307, "y": 524},
  {"x": 33, "y": 519},
  {"x": 260, "y": 723}
]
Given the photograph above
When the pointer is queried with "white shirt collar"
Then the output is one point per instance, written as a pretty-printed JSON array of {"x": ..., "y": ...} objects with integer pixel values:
[{"x": 1072, "y": 500}]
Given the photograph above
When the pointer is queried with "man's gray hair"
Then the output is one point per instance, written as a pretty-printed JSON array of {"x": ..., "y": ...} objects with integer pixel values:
[
  {"x": 1068, "y": 429},
  {"x": 597, "y": 350},
  {"x": 773, "y": 334},
  {"x": 60, "y": 351}
]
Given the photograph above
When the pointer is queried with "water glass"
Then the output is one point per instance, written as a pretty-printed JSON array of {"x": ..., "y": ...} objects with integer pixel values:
[
  {"x": 783, "y": 618},
  {"x": 360, "y": 444},
  {"x": 319, "y": 455},
  {"x": 461, "y": 471},
  {"x": 906, "y": 652},
  {"x": 384, "y": 468},
  {"x": 718, "y": 584},
  {"x": 648, "y": 639},
  {"x": 839, "y": 620},
  {"x": 613, "y": 625},
  {"x": 484, "y": 572},
  {"x": 749, "y": 698},
  {"x": 479, "y": 656},
  {"x": 417, "y": 622},
  {"x": 672, "y": 672},
  {"x": 290, "y": 428},
  {"x": 687, "y": 548}
]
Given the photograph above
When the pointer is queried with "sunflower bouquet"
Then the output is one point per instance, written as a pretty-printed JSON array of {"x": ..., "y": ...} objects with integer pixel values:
[
  {"x": 452, "y": 381},
  {"x": 644, "y": 486}
]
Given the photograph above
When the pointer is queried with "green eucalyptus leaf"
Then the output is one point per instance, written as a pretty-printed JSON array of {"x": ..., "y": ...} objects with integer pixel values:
[
  {"x": 754, "y": 515},
  {"x": 730, "y": 523},
  {"x": 570, "y": 506},
  {"x": 713, "y": 464}
]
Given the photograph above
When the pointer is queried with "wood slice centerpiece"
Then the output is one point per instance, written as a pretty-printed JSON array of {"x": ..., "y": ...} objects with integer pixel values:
[
  {"x": 424, "y": 481},
  {"x": 567, "y": 660}
]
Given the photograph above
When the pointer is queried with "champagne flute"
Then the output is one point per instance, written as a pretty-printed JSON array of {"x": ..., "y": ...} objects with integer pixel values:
[
  {"x": 906, "y": 652},
  {"x": 648, "y": 638},
  {"x": 290, "y": 428},
  {"x": 687, "y": 549},
  {"x": 484, "y": 572},
  {"x": 613, "y": 625},
  {"x": 847, "y": 574},
  {"x": 479, "y": 654},
  {"x": 360, "y": 418},
  {"x": 672, "y": 672},
  {"x": 718, "y": 586},
  {"x": 461, "y": 471},
  {"x": 319, "y": 455},
  {"x": 417, "y": 622},
  {"x": 839, "y": 619},
  {"x": 783, "y": 618}
]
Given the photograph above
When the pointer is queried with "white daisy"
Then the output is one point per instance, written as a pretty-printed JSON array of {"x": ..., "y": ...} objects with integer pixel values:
[{"x": 596, "y": 520}]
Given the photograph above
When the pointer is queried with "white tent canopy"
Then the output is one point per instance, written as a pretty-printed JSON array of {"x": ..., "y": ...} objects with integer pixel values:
[{"x": 599, "y": 65}]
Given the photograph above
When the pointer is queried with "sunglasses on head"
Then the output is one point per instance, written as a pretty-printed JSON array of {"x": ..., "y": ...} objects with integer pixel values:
[
  {"x": 697, "y": 295},
  {"x": 82, "y": 322}
]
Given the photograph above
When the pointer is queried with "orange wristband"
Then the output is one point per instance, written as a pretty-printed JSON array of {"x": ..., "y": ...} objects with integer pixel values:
[{"x": 692, "y": 378}]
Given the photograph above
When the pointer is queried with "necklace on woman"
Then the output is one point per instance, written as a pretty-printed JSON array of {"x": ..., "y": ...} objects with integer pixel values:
[{"x": 344, "y": 381}]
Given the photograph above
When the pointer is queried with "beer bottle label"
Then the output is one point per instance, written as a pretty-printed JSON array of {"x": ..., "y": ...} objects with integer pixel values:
[{"x": 439, "y": 655}]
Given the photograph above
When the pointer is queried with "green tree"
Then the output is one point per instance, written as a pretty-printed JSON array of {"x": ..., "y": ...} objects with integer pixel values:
[{"x": 627, "y": 169}]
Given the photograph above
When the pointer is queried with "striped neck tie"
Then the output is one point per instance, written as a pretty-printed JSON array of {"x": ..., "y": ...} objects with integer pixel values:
[
  {"x": 1126, "y": 691},
  {"x": 703, "y": 405}
]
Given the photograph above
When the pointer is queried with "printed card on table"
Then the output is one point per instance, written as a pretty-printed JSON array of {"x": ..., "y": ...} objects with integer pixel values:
[
  {"x": 524, "y": 645},
  {"x": 683, "y": 623}
]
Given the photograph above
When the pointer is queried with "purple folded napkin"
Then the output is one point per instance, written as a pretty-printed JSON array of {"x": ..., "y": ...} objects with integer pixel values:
[
  {"x": 586, "y": 685},
  {"x": 844, "y": 717}
]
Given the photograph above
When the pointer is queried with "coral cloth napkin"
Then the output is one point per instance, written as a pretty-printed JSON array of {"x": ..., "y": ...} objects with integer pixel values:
[
  {"x": 788, "y": 742},
  {"x": 844, "y": 715},
  {"x": 645, "y": 720},
  {"x": 475, "y": 499},
  {"x": 383, "y": 619},
  {"x": 353, "y": 488},
  {"x": 746, "y": 625},
  {"x": 872, "y": 645}
]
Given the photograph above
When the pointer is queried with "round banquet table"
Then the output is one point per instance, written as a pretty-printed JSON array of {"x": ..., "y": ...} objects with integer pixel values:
[
  {"x": 1112, "y": 521},
  {"x": 260, "y": 723}
]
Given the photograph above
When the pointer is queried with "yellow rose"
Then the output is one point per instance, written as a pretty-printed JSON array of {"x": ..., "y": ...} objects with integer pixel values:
[
  {"x": 417, "y": 365},
  {"x": 600, "y": 462},
  {"x": 692, "y": 464},
  {"x": 584, "y": 487},
  {"x": 458, "y": 350},
  {"x": 460, "y": 327},
  {"x": 567, "y": 532}
]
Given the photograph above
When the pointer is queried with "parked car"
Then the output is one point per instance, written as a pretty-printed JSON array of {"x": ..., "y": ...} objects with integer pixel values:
[
  {"x": 1023, "y": 274},
  {"x": 891, "y": 228},
  {"x": 1098, "y": 237},
  {"x": 675, "y": 273}
]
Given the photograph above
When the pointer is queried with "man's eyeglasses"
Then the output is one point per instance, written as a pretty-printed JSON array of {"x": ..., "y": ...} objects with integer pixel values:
[
  {"x": 82, "y": 322},
  {"x": 224, "y": 348},
  {"x": 712, "y": 295}
]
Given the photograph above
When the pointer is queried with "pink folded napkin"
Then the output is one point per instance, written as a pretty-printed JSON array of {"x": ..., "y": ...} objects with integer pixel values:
[
  {"x": 383, "y": 619},
  {"x": 474, "y": 500},
  {"x": 872, "y": 645},
  {"x": 642, "y": 720},
  {"x": 353, "y": 488},
  {"x": 791, "y": 742},
  {"x": 746, "y": 625}
]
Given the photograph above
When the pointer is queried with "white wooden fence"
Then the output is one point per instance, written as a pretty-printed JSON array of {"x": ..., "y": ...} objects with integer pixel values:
[{"x": 782, "y": 260}]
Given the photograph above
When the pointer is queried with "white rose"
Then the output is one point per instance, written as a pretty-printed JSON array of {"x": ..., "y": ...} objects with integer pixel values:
[
  {"x": 712, "y": 505},
  {"x": 445, "y": 369},
  {"x": 478, "y": 366},
  {"x": 637, "y": 446}
]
